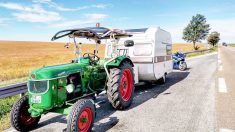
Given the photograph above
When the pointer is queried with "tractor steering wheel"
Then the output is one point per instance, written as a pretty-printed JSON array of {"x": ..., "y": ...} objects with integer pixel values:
[{"x": 92, "y": 57}]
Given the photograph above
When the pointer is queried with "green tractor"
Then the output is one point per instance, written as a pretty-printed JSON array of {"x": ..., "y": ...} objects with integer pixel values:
[{"x": 69, "y": 88}]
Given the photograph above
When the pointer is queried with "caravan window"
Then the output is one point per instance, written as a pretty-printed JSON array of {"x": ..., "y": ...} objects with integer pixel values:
[{"x": 143, "y": 49}]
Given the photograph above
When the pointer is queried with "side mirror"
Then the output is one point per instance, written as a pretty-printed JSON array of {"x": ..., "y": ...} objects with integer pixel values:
[{"x": 129, "y": 43}]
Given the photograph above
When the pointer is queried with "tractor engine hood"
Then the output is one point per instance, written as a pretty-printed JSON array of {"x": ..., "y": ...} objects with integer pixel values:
[{"x": 56, "y": 71}]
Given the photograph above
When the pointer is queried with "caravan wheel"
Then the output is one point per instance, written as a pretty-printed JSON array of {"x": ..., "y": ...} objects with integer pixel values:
[{"x": 162, "y": 80}]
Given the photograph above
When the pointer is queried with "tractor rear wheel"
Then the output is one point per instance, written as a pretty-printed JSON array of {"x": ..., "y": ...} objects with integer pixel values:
[
  {"x": 121, "y": 88},
  {"x": 82, "y": 116},
  {"x": 21, "y": 119}
]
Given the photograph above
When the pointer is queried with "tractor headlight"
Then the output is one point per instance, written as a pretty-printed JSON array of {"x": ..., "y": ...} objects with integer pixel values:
[{"x": 70, "y": 88}]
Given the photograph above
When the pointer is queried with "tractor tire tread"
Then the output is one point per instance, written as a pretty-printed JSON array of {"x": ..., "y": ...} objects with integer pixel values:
[
  {"x": 14, "y": 118},
  {"x": 77, "y": 107},
  {"x": 113, "y": 86}
]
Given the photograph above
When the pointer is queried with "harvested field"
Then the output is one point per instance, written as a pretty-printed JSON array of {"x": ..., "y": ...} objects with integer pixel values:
[{"x": 18, "y": 58}]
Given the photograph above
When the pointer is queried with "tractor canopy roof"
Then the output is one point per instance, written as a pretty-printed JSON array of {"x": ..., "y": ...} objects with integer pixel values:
[{"x": 91, "y": 33}]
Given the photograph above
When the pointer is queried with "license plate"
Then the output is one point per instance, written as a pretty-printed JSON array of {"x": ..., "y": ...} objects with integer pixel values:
[{"x": 36, "y": 99}]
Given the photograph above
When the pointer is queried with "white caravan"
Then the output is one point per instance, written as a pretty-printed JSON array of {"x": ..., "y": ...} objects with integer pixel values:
[{"x": 151, "y": 53}]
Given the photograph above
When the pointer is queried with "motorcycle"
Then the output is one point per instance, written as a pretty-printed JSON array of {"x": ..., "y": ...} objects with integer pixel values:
[{"x": 179, "y": 61}]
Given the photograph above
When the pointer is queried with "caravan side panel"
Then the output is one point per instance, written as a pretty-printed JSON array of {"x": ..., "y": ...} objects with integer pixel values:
[{"x": 160, "y": 54}]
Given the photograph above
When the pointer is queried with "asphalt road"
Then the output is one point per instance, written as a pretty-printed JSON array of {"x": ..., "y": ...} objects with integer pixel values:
[
  {"x": 189, "y": 102},
  {"x": 225, "y": 97}
]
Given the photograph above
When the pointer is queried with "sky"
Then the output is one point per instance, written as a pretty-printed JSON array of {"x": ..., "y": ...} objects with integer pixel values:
[{"x": 39, "y": 20}]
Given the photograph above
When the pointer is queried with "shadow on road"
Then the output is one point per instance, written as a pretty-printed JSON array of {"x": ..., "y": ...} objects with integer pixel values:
[
  {"x": 146, "y": 92},
  {"x": 142, "y": 94},
  {"x": 59, "y": 118}
]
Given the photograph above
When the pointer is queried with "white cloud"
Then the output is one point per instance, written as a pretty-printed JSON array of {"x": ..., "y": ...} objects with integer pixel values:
[
  {"x": 61, "y": 8},
  {"x": 41, "y": 1},
  {"x": 176, "y": 34},
  {"x": 102, "y": 6},
  {"x": 34, "y": 13},
  {"x": 89, "y": 19},
  {"x": 99, "y": 6},
  {"x": 58, "y": 7},
  {"x": 18, "y": 7},
  {"x": 70, "y": 24},
  {"x": 53, "y": 5},
  {"x": 34, "y": 17},
  {"x": 13, "y": 6},
  {"x": 96, "y": 16},
  {"x": 225, "y": 28},
  {"x": 3, "y": 21},
  {"x": 168, "y": 14}
]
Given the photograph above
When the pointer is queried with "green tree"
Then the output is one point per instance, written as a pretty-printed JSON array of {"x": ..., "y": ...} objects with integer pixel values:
[
  {"x": 213, "y": 38},
  {"x": 196, "y": 30}
]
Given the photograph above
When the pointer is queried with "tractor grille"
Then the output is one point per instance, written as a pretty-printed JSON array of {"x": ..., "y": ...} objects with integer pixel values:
[{"x": 38, "y": 86}]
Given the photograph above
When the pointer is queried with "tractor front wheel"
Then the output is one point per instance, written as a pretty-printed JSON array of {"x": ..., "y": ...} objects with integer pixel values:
[
  {"x": 21, "y": 119},
  {"x": 121, "y": 86},
  {"x": 81, "y": 117}
]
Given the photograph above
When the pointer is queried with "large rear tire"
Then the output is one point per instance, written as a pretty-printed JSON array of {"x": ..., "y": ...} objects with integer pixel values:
[
  {"x": 121, "y": 88},
  {"x": 21, "y": 119},
  {"x": 82, "y": 116}
]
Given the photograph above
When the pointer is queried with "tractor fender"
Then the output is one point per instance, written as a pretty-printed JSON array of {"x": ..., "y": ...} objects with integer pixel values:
[{"x": 119, "y": 60}]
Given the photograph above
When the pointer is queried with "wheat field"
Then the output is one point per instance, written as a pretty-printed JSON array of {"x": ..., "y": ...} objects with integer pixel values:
[
  {"x": 186, "y": 47},
  {"x": 17, "y": 59}
]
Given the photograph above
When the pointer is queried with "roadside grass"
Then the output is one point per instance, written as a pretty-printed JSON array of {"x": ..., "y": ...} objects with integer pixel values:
[
  {"x": 6, "y": 105},
  {"x": 203, "y": 53},
  {"x": 13, "y": 81},
  {"x": 232, "y": 45}
]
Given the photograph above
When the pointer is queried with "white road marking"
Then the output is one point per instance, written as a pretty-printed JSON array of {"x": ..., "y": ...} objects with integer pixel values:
[
  {"x": 226, "y": 130},
  {"x": 220, "y": 68},
  {"x": 222, "y": 85},
  {"x": 219, "y": 62},
  {"x": 11, "y": 131}
]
